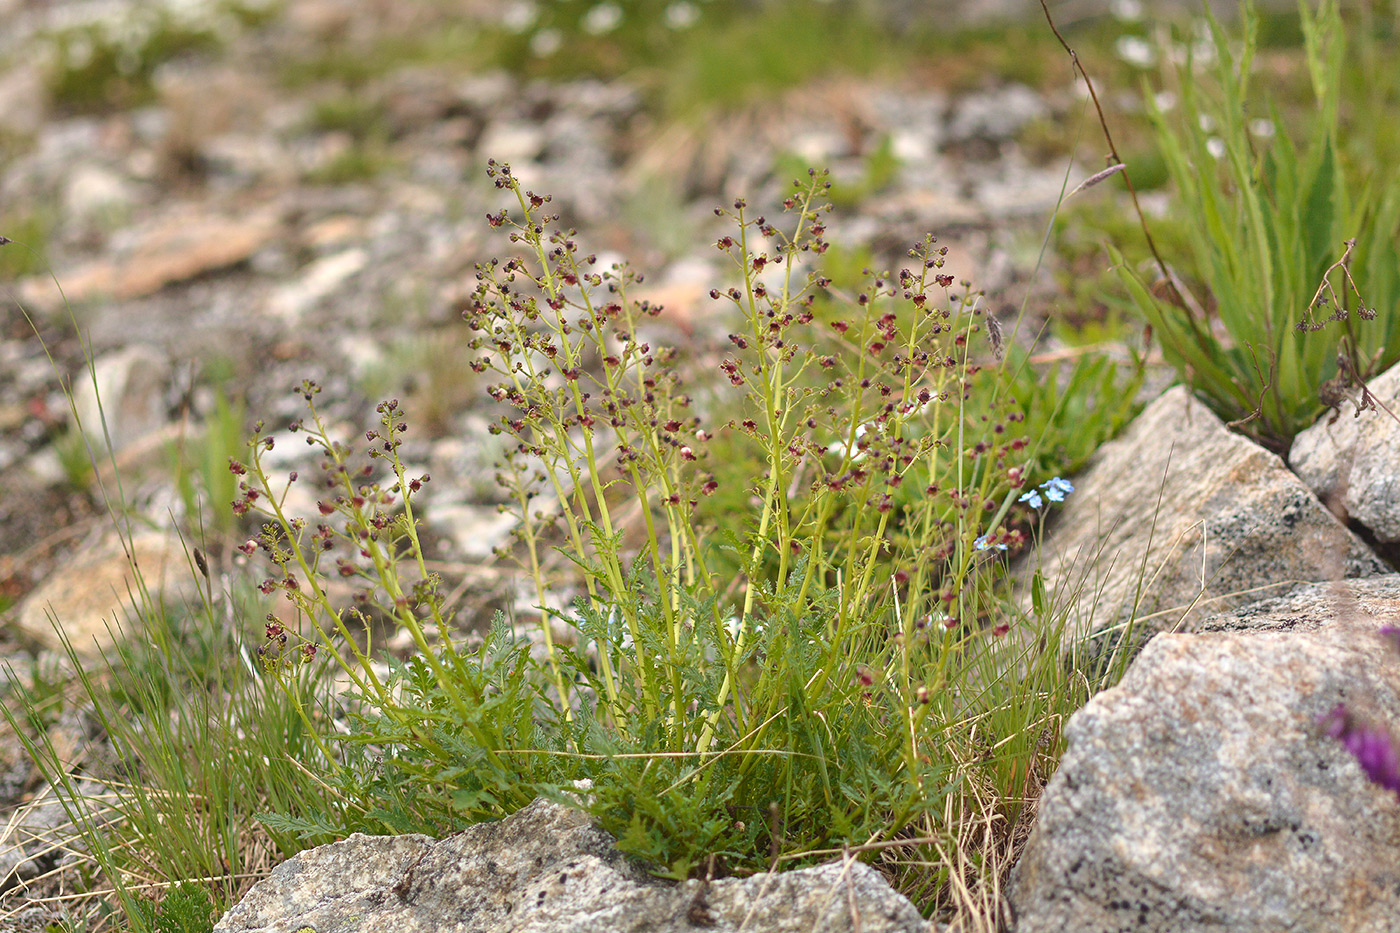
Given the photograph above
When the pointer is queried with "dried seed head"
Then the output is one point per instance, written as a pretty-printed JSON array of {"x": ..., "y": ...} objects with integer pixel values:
[{"x": 994, "y": 336}]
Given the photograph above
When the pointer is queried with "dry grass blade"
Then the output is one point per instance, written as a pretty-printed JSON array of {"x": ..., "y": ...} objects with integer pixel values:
[{"x": 37, "y": 840}]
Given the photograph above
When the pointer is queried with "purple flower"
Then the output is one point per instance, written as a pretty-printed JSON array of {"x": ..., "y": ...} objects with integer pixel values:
[
  {"x": 1391, "y": 633},
  {"x": 1373, "y": 748}
]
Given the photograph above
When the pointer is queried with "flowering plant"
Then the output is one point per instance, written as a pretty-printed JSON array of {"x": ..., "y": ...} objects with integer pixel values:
[{"x": 691, "y": 675}]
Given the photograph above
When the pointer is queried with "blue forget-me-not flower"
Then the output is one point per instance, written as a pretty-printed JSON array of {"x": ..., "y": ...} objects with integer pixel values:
[{"x": 1055, "y": 490}]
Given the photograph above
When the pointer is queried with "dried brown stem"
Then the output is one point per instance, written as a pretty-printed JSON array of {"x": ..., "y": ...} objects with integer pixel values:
[{"x": 1113, "y": 152}]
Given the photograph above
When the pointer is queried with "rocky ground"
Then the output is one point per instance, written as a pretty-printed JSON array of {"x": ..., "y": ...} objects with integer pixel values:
[
  {"x": 226, "y": 236},
  {"x": 255, "y": 217}
]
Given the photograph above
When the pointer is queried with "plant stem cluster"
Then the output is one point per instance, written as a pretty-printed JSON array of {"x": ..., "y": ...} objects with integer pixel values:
[{"x": 779, "y": 583}]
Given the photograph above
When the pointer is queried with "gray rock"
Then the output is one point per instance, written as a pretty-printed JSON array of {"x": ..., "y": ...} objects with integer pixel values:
[
  {"x": 314, "y": 283},
  {"x": 1009, "y": 187},
  {"x": 94, "y": 193},
  {"x": 39, "y": 835},
  {"x": 515, "y": 143},
  {"x": 89, "y": 599},
  {"x": 1201, "y": 794},
  {"x": 914, "y": 119},
  {"x": 125, "y": 394},
  {"x": 1311, "y": 607},
  {"x": 995, "y": 115},
  {"x": 37, "y": 920},
  {"x": 1206, "y": 519},
  {"x": 547, "y": 868},
  {"x": 476, "y": 530},
  {"x": 1351, "y": 463},
  {"x": 23, "y": 104}
]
